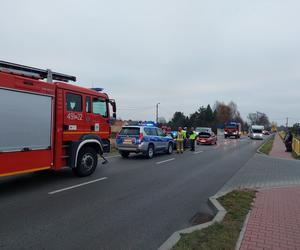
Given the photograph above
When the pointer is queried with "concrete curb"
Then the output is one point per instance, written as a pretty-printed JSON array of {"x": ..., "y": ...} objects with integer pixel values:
[
  {"x": 219, "y": 211},
  {"x": 242, "y": 233},
  {"x": 258, "y": 150}
]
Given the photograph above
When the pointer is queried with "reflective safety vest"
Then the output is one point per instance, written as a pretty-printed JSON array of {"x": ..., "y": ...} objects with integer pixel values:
[
  {"x": 184, "y": 134},
  {"x": 193, "y": 135},
  {"x": 180, "y": 136}
]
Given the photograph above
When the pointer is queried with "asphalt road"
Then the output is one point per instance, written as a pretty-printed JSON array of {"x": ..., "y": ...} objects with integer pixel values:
[{"x": 128, "y": 204}]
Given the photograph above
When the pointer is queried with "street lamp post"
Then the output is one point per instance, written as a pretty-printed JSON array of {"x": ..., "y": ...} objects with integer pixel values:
[{"x": 157, "y": 112}]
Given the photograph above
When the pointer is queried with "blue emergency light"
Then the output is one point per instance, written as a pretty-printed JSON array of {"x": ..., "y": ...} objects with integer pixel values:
[{"x": 149, "y": 124}]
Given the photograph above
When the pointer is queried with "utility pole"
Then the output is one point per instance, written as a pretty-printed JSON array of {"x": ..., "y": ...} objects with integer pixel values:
[
  {"x": 157, "y": 112},
  {"x": 287, "y": 122}
]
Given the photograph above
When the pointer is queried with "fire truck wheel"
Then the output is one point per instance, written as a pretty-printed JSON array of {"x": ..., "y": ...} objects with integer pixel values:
[
  {"x": 150, "y": 152},
  {"x": 124, "y": 154},
  {"x": 86, "y": 163}
]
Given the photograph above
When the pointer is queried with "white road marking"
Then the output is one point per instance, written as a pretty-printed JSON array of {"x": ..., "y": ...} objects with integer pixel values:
[
  {"x": 76, "y": 186},
  {"x": 198, "y": 152},
  {"x": 160, "y": 162}
]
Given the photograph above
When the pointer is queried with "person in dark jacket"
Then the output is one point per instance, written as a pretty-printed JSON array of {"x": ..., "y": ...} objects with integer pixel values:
[{"x": 288, "y": 141}]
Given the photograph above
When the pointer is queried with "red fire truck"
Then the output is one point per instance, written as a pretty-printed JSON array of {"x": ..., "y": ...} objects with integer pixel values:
[
  {"x": 232, "y": 129},
  {"x": 47, "y": 123}
]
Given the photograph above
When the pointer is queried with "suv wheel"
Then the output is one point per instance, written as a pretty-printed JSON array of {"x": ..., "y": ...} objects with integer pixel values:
[
  {"x": 124, "y": 154},
  {"x": 170, "y": 148},
  {"x": 150, "y": 152}
]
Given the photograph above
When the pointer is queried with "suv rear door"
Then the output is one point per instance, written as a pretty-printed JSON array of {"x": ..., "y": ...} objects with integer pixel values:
[{"x": 129, "y": 136}]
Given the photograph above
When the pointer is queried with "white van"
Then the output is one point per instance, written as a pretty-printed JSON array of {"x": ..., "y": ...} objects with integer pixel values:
[{"x": 256, "y": 132}]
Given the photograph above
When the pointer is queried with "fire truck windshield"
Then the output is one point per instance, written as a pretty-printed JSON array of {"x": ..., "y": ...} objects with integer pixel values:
[
  {"x": 100, "y": 107},
  {"x": 231, "y": 126}
]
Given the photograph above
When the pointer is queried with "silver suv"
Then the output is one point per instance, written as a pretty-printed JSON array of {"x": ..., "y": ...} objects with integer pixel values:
[{"x": 143, "y": 139}]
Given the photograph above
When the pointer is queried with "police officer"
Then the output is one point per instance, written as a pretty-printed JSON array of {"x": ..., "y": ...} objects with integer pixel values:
[
  {"x": 192, "y": 138},
  {"x": 179, "y": 141}
]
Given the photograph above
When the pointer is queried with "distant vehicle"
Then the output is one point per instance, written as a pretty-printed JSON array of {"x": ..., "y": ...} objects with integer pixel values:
[
  {"x": 206, "y": 138},
  {"x": 232, "y": 129},
  {"x": 166, "y": 129},
  {"x": 203, "y": 129},
  {"x": 266, "y": 132},
  {"x": 256, "y": 132},
  {"x": 146, "y": 139}
]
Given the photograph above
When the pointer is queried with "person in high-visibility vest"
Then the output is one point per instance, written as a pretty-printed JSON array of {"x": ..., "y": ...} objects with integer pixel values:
[
  {"x": 184, "y": 137},
  {"x": 179, "y": 141},
  {"x": 192, "y": 138}
]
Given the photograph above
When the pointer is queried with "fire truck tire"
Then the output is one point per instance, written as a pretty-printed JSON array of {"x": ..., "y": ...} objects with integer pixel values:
[
  {"x": 124, "y": 154},
  {"x": 86, "y": 163},
  {"x": 150, "y": 152}
]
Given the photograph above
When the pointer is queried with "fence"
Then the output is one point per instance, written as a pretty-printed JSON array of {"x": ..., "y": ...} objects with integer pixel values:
[{"x": 296, "y": 146}]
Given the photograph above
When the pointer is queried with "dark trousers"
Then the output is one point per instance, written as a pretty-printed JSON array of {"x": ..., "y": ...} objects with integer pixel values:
[
  {"x": 192, "y": 142},
  {"x": 288, "y": 146}
]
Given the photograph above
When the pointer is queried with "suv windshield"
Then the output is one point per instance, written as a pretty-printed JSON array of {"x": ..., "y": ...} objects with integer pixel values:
[{"x": 130, "y": 131}]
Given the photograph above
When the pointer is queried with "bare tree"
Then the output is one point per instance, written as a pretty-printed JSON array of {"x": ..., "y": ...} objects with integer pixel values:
[{"x": 259, "y": 118}]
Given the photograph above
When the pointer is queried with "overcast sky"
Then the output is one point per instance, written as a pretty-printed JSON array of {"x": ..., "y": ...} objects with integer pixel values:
[{"x": 182, "y": 54}]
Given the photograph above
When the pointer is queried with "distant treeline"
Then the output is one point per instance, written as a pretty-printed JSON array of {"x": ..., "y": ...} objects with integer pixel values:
[{"x": 216, "y": 116}]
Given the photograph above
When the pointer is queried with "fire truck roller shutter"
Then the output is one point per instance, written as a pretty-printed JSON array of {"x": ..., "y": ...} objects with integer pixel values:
[
  {"x": 93, "y": 141},
  {"x": 25, "y": 121}
]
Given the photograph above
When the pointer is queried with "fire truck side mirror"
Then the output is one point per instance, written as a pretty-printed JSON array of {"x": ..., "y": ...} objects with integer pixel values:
[
  {"x": 114, "y": 115},
  {"x": 113, "y": 104}
]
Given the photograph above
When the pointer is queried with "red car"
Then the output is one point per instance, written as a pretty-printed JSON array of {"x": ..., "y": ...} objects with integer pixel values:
[{"x": 208, "y": 138}]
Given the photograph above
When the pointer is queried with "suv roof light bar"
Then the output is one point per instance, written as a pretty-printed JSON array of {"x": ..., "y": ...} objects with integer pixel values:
[{"x": 36, "y": 73}]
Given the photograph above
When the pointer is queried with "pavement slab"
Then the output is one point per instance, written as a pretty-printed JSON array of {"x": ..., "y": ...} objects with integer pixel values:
[
  {"x": 278, "y": 149},
  {"x": 263, "y": 171},
  {"x": 274, "y": 220}
]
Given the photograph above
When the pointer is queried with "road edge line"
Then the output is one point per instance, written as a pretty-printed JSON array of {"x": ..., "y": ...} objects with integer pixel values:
[
  {"x": 76, "y": 186},
  {"x": 161, "y": 162}
]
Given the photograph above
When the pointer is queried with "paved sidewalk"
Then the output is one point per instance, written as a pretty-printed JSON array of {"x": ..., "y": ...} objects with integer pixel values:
[
  {"x": 274, "y": 221},
  {"x": 263, "y": 171},
  {"x": 278, "y": 149}
]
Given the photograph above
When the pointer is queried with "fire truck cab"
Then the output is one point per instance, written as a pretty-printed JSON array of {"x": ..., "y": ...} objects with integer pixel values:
[
  {"x": 46, "y": 124},
  {"x": 232, "y": 129}
]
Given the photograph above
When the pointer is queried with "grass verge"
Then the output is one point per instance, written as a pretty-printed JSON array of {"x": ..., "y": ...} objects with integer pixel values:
[
  {"x": 222, "y": 235},
  {"x": 267, "y": 146}
]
